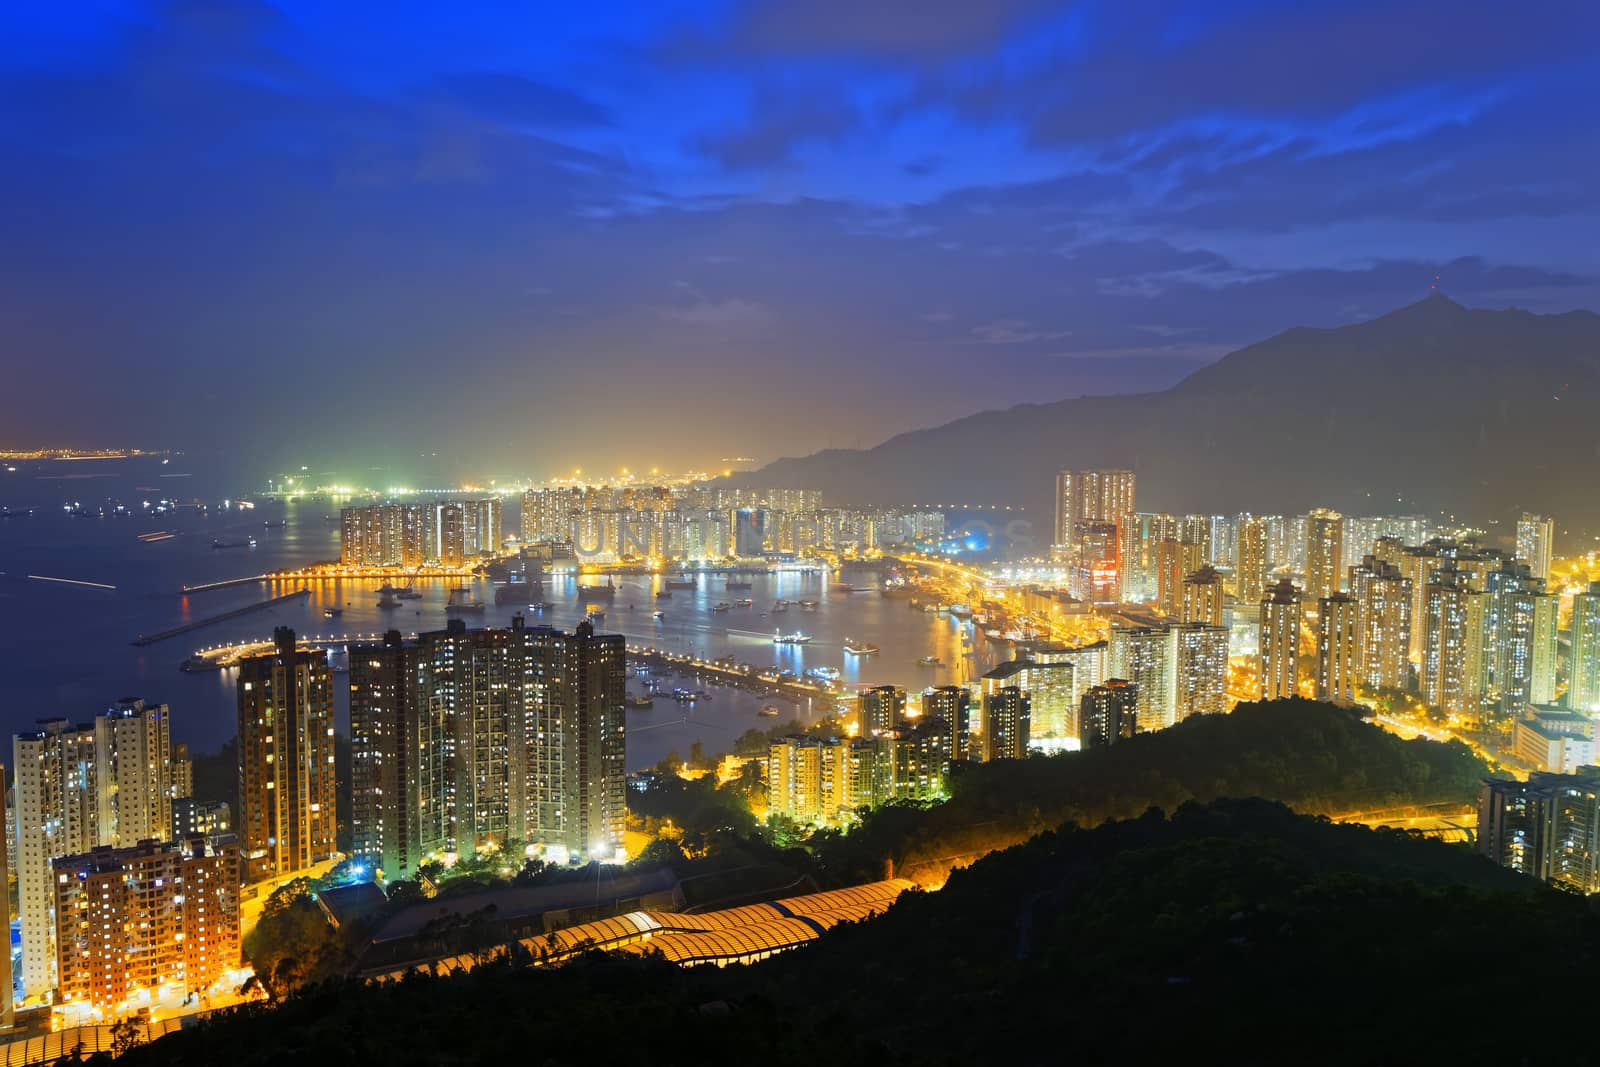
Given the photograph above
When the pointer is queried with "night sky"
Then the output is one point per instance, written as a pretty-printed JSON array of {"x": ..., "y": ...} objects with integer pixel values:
[{"x": 540, "y": 236}]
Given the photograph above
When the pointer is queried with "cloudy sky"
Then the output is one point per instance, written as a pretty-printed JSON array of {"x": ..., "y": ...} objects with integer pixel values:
[{"x": 537, "y": 236}]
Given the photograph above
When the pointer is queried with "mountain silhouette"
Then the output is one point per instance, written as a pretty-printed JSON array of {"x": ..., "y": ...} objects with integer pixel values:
[{"x": 1431, "y": 408}]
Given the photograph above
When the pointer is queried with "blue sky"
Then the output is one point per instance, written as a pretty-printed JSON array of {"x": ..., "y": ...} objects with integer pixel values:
[{"x": 649, "y": 234}]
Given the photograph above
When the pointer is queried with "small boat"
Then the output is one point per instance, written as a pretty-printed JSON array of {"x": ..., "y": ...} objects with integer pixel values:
[
  {"x": 197, "y": 664},
  {"x": 779, "y": 606},
  {"x": 274, "y": 524},
  {"x": 408, "y": 593},
  {"x": 826, "y": 674},
  {"x": 658, "y": 615},
  {"x": 796, "y": 638},
  {"x": 721, "y": 606},
  {"x": 332, "y": 613},
  {"x": 746, "y": 602},
  {"x": 218, "y": 543},
  {"x": 541, "y": 606},
  {"x": 808, "y": 605},
  {"x": 680, "y": 583},
  {"x": 595, "y": 612},
  {"x": 860, "y": 648},
  {"x": 961, "y": 611},
  {"x": 597, "y": 592},
  {"x": 648, "y": 700},
  {"x": 930, "y": 661},
  {"x": 770, "y": 711},
  {"x": 663, "y": 594},
  {"x": 463, "y": 602},
  {"x": 846, "y": 587}
]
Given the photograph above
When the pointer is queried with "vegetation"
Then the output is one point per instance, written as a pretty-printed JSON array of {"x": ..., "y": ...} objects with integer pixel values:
[
  {"x": 1315, "y": 757},
  {"x": 1237, "y": 930}
]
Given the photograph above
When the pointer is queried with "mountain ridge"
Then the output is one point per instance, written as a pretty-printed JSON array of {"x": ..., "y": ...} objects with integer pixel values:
[{"x": 1433, "y": 407}]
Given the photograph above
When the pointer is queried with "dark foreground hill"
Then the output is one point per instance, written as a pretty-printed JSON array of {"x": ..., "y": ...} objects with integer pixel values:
[
  {"x": 1235, "y": 932},
  {"x": 1432, "y": 407}
]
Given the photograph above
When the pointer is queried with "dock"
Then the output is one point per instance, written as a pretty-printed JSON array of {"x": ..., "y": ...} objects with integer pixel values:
[
  {"x": 225, "y": 584},
  {"x": 150, "y": 639}
]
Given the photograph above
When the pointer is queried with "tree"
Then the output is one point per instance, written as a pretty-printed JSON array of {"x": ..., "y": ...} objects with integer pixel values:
[{"x": 126, "y": 1034}]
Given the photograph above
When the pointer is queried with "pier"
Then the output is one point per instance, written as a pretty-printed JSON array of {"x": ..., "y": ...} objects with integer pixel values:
[
  {"x": 761, "y": 681},
  {"x": 150, "y": 639}
]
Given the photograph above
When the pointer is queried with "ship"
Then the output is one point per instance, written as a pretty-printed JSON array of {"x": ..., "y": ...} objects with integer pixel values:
[
  {"x": 663, "y": 594},
  {"x": 860, "y": 648},
  {"x": 769, "y": 711},
  {"x": 658, "y": 614},
  {"x": 197, "y": 664},
  {"x": 408, "y": 593},
  {"x": 808, "y": 605},
  {"x": 680, "y": 583},
  {"x": 512, "y": 593},
  {"x": 462, "y": 602},
  {"x": 332, "y": 613},
  {"x": 961, "y": 611},
  {"x": 387, "y": 597},
  {"x": 825, "y": 674},
  {"x": 721, "y": 606},
  {"x": 796, "y": 638},
  {"x": 745, "y": 602},
  {"x": 846, "y": 587},
  {"x": 597, "y": 592},
  {"x": 930, "y": 661},
  {"x": 642, "y": 702},
  {"x": 779, "y": 605}
]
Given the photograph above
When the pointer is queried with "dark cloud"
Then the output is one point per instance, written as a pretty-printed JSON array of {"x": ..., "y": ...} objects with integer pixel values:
[{"x": 778, "y": 124}]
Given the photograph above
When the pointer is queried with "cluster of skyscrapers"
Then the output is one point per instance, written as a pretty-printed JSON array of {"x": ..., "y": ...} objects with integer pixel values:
[
  {"x": 701, "y": 524},
  {"x": 443, "y": 533},
  {"x": 464, "y": 740},
  {"x": 115, "y": 900}
]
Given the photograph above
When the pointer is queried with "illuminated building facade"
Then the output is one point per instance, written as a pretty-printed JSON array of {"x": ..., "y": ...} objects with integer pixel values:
[
  {"x": 1324, "y": 553},
  {"x": 1337, "y": 628},
  {"x": 1279, "y": 647},
  {"x": 1535, "y": 535},
  {"x": 1091, "y": 496},
  {"x": 1005, "y": 723},
  {"x": 1146, "y": 656},
  {"x": 1250, "y": 563},
  {"x": 131, "y": 920},
  {"x": 1097, "y": 566},
  {"x": 1554, "y": 739},
  {"x": 1451, "y": 644},
  {"x": 1200, "y": 677},
  {"x": 1109, "y": 713},
  {"x": 953, "y": 704},
  {"x": 880, "y": 709},
  {"x": 1383, "y": 624},
  {"x": 78, "y": 788},
  {"x": 463, "y": 740},
  {"x": 1583, "y": 688},
  {"x": 287, "y": 816},
  {"x": 1202, "y": 597},
  {"x": 1169, "y": 576},
  {"x": 1547, "y": 827}
]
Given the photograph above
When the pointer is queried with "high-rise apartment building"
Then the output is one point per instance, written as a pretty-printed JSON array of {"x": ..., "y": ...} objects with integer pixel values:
[
  {"x": 1109, "y": 713},
  {"x": 1324, "y": 553},
  {"x": 1383, "y": 624},
  {"x": 1583, "y": 687},
  {"x": 1145, "y": 656},
  {"x": 1279, "y": 647},
  {"x": 145, "y": 916},
  {"x": 1202, "y": 597},
  {"x": 1337, "y": 627},
  {"x": 1005, "y": 724},
  {"x": 464, "y": 740},
  {"x": 1519, "y": 643},
  {"x": 953, "y": 704},
  {"x": 1200, "y": 677},
  {"x": 1082, "y": 496},
  {"x": 1547, "y": 827},
  {"x": 1169, "y": 576},
  {"x": 1195, "y": 537},
  {"x": 77, "y": 788},
  {"x": 1535, "y": 536},
  {"x": 1250, "y": 563},
  {"x": 880, "y": 709},
  {"x": 1452, "y": 624},
  {"x": 287, "y": 817}
]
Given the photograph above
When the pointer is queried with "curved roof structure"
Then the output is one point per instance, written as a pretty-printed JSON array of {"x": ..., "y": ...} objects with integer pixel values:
[{"x": 734, "y": 935}]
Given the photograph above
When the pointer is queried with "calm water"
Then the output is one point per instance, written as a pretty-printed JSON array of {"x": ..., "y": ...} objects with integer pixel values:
[{"x": 65, "y": 649}]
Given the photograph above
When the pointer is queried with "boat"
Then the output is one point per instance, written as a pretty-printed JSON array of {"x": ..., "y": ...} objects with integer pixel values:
[
  {"x": 663, "y": 594},
  {"x": 796, "y": 638},
  {"x": 744, "y": 603},
  {"x": 597, "y": 592},
  {"x": 738, "y": 583},
  {"x": 808, "y": 605},
  {"x": 645, "y": 701},
  {"x": 961, "y": 611},
  {"x": 658, "y": 614},
  {"x": 512, "y": 593},
  {"x": 721, "y": 606},
  {"x": 779, "y": 605},
  {"x": 197, "y": 664},
  {"x": 931, "y": 609},
  {"x": 408, "y": 593},
  {"x": 846, "y": 587},
  {"x": 332, "y": 613},
  {"x": 930, "y": 661},
  {"x": 680, "y": 583},
  {"x": 387, "y": 597},
  {"x": 826, "y": 674},
  {"x": 994, "y": 634},
  {"x": 463, "y": 602},
  {"x": 274, "y": 524},
  {"x": 860, "y": 648},
  {"x": 541, "y": 606},
  {"x": 219, "y": 543},
  {"x": 770, "y": 711}
]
